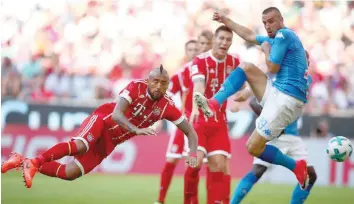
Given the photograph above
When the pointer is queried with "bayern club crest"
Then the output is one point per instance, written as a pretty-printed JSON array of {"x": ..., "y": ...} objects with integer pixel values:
[{"x": 156, "y": 111}]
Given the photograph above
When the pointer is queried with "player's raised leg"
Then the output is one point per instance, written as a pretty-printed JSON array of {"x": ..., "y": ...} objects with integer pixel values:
[
  {"x": 246, "y": 183},
  {"x": 233, "y": 83},
  {"x": 89, "y": 133}
]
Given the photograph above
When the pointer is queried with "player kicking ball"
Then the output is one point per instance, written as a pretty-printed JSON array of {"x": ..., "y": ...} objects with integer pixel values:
[
  {"x": 283, "y": 101},
  {"x": 140, "y": 105},
  {"x": 289, "y": 143}
]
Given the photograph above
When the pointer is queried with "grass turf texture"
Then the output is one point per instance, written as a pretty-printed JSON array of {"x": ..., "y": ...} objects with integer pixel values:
[{"x": 139, "y": 189}]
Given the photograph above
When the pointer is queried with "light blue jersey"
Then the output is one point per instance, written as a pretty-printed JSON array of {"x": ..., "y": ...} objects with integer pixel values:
[
  {"x": 288, "y": 52},
  {"x": 292, "y": 129}
]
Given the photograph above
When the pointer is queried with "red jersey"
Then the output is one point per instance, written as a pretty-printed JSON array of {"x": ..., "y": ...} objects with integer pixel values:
[
  {"x": 142, "y": 111},
  {"x": 176, "y": 84},
  {"x": 214, "y": 72}
]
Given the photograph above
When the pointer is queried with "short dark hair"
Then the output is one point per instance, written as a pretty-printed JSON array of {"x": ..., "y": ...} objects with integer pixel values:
[
  {"x": 207, "y": 34},
  {"x": 222, "y": 28},
  {"x": 189, "y": 42},
  {"x": 270, "y": 9}
]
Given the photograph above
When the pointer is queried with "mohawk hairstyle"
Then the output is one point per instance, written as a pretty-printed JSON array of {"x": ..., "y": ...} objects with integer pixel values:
[{"x": 161, "y": 68}]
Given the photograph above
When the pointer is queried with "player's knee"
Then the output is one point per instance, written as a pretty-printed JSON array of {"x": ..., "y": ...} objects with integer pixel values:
[
  {"x": 247, "y": 66},
  {"x": 312, "y": 174},
  {"x": 258, "y": 170},
  {"x": 172, "y": 160},
  {"x": 81, "y": 146},
  {"x": 72, "y": 171},
  {"x": 253, "y": 149}
]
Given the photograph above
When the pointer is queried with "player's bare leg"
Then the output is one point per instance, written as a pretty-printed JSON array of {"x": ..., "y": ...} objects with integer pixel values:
[
  {"x": 44, "y": 161},
  {"x": 217, "y": 167},
  {"x": 191, "y": 180},
  {"x": 166, "y": 177},
  {"x": 256, "y": 145}
]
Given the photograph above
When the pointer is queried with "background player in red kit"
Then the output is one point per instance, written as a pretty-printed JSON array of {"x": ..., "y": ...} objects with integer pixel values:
[
  {"x": 179, "y": 84},
  {"x": 208, "y": 72},
  {"x": 140, "y": 105}
]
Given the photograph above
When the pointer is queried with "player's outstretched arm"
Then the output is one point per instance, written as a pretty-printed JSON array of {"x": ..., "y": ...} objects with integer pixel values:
[
  {"x": 119, "y": 117},
  {"x": 242, "y": 31},
  {"x": 188, "y": 130}
]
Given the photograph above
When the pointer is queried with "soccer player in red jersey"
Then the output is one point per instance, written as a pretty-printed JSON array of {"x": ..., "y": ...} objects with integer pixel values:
[
  {"x": 176, "y": 146},
  {"x": 140, "y": 105},
  {"x": 208, "y": 73}
]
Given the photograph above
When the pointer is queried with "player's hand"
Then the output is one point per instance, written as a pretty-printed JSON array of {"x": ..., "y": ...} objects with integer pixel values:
[
  {"x": 192, "y": 160},
  {"x": 265, "y": 46},
  {"x": 219, "y": 16},
  {"x": 145, "y": 131}
]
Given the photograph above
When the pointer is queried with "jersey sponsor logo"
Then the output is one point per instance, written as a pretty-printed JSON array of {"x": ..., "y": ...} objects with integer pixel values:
[
  {"x": 214, "y": 84},
  {"x": 194, "y": 69},
  {"x": 279, "y": 35},
  {"x": 138, "y": 109}
]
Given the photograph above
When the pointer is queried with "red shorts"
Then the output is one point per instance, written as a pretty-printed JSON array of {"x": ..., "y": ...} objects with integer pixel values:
[
  {"x": 96, "y": 138},
  {"x": 213, "y": 138},
  {"x": 176, "y": 145}
]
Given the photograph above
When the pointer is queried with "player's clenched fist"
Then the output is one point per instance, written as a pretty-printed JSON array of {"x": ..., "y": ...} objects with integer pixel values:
[
  {"x": 145, "y": 131},
  {"x": 192, "y": 160},
  {"x": 219, "y": 16}
]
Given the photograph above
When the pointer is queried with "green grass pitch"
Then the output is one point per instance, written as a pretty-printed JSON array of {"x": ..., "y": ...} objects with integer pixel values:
[{"x": 139, "y": 189}]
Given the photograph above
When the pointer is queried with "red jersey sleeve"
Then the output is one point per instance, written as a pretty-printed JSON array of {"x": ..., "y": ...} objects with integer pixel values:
[
  {"x": 198, "y": 69},
  {"x": 175, "y": 85},
  {"x": 130, "y": 92},
  {"x": 173, "y": 114},
  {"x": 186, "y": 80}
]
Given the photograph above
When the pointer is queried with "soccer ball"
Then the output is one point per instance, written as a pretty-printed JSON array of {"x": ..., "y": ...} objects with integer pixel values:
[{"x": 339, "y": 148}]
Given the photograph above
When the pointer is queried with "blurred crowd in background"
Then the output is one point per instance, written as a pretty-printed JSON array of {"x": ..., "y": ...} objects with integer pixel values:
[{"x": 54, "y": 51}]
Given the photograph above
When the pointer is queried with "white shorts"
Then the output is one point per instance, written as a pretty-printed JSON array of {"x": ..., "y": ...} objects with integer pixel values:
[
  {"x": 293, "y": 146},
  {"x": 279, "y": 110}
]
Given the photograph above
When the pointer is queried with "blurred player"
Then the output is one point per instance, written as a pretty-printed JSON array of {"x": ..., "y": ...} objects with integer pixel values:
[
  {"x": 179, "y": 84},
  {"x": 190, "y": 49},
  {"x": 284, "y": 101},
  {"x": 140, "y": 105},
  {"x": 208, "y": 72}
]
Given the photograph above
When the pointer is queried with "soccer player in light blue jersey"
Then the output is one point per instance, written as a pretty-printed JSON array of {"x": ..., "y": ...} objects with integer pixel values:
[
  {"x": 289, "y": 143},
  {"x": 283, "y": 102}
]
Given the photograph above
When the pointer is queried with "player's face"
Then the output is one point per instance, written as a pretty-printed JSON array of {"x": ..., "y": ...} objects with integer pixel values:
[
  {"x": 191, "y": 51},
  {"x": 204, "y": 44},
  {"x": 272, "y": 22},
  {"x": 157, "y": 86},
  {"x": 222, "y": 42}
]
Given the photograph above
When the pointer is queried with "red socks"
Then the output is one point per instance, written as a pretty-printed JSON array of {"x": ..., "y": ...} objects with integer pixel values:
[
  {"x": 191, "y": 180},
  {"x": 58, "y": 151},
  {"x": 208, "y": 182},
  {"x": 166, "y": 177},
  {"x": 216, "y": 187},
  {"x": 53, "y": 169},
  {"x": 227, "y": 186}
]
